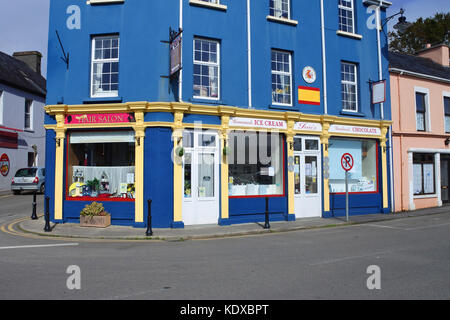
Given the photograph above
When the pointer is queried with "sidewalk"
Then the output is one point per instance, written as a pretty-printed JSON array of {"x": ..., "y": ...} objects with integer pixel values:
[{"x": 70, "y": 230}]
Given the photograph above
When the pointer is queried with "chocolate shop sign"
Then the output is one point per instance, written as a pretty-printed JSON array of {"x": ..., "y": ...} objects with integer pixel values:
[{"x": 364, "y": 131}]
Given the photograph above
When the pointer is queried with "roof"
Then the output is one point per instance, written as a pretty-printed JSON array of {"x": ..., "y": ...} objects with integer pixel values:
[
  {"x": 418, "y": 65},
  {"x": 18, "y": 74}
]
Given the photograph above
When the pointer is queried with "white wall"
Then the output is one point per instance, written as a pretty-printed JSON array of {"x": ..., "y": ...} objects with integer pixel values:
[{"x": 13, "y": 101}]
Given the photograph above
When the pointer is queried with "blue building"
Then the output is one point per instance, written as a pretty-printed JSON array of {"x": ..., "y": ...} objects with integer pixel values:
[{"x": 217, "y": 111}]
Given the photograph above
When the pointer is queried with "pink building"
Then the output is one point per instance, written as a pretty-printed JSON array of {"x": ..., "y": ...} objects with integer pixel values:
[{"x": 420, "y": 94}]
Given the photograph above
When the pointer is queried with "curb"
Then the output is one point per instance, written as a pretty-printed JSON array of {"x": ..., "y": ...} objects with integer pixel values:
[{"x": 283, "y": 229}]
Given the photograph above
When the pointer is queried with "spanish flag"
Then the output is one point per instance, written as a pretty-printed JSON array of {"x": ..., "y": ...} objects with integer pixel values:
[{"x": 307, "y": 95}]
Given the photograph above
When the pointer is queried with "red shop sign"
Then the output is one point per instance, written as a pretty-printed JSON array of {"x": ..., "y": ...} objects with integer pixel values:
[
  {"x": 4, "y": 165},
  {"x": 100, "y": 118}
]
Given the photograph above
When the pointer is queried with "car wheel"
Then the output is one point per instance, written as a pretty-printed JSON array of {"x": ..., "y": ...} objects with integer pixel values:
[
  {"x": 16, "y": 192},
  {"x": 42, "y": 189}
]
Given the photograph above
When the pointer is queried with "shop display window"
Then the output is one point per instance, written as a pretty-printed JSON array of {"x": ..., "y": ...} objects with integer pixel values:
[
  {"x": 363, "y": 178},
  {"x": 424, "y": 174},
  {"x": 256, "y": 164},
  {"x": 101, "y": 165}
]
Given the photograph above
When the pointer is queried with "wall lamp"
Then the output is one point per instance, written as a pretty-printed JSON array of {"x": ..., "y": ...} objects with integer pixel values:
[{"x": 447, "y": 141}]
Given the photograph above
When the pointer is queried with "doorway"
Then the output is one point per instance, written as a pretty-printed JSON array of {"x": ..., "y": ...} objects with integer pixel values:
[
  {"x": 200, "y": 178},
  {"x": 307, "y": 177},
  {"x": 445, "y": 191}
]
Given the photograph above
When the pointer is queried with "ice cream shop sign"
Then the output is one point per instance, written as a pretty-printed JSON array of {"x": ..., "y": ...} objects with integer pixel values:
[{"x": 104, "y": 118}]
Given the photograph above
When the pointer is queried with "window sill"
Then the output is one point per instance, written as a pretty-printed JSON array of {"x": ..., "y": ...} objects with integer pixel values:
[
  {"x": 283, "y": 107},
  {"x": 28, "y": 130},
  {"x": 349, "y": 35},
  {"x": 207, "y": 101},
  {"x": 91, "y": 2},
  {"x": 354, "y": 114},
  {"x": 425, "y": 196},
  {"x": 208, "y": 5},
  {"x": 282, "y": 20},
  {"x": 103, "y": 99}
]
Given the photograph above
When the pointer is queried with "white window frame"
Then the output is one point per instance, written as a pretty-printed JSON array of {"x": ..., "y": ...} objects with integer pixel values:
[
  {"x": 104, "y": 1},
  {"x": 427, "y": 107},
  {"x": 207, "y": 64},
  {"x": 211, "y": 4},
  {"x": 280, "y": 4},
  {"x": 352, "y": 10},
  {"x": 275, "y": 72},
  {"x": 445, "y": 94},
  {"x": 30, "y": 128},
  {"x": 355, "y": 83},
  {"x": 108, "y": 94}
]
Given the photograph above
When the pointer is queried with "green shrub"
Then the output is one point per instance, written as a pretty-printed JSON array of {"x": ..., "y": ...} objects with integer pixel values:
[{"x": 94, "y": 209}]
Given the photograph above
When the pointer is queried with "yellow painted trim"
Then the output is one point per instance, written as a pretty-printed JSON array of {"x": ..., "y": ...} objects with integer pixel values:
[
  {"x": 324, "y": 139},
  {"x": 224, "y": 180},
  {"x": 291, "y": 176},
  {"x": 139, "y": 167},
  {"x": 59, "y": 167},
  {"x": 177, "y": 137}
]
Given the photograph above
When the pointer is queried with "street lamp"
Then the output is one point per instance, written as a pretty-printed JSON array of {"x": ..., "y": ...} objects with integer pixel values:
[{"x": 402, "y": 25}]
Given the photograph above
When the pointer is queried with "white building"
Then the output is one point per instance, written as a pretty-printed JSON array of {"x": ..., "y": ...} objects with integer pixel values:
[{"x": 22, "y": 101}]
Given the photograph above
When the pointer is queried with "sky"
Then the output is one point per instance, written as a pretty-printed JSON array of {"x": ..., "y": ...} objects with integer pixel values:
[{"x": 24, "y": 23}]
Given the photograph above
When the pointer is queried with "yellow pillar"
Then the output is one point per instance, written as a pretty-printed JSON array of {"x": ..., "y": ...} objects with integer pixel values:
[
  {"x": 384, "y": 168},
  {"x": 324, "y": 139},
  {"x": 291, "y": 177},
  {"x": 177, "y": 137},
  {"x": 139, "y": 167},
  {"x": 59, "y": 166},
  {"x": 224, "y": 212}
]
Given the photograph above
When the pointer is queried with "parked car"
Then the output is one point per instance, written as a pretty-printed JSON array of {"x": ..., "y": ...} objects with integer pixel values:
[{"x": 28, "y": 179}]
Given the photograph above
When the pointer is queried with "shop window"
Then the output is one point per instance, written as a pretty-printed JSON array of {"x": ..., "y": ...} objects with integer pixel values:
[
  {"x": 28, "y": 119},
  {"x": 256, "y": 164},
  {"x": 364, "y": 175},
  {"x": 447, "y": 114},
  {"x": 101, "y": 165},
  {"x": 423, "y": 171}
]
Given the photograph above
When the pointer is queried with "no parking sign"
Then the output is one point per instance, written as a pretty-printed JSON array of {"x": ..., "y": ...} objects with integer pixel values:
[{"x": 347, "y": 162}]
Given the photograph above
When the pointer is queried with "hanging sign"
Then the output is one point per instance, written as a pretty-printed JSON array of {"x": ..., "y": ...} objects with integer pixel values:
[
  {"x": 379, "y": 92},
  {"x": 175, "y": 55},
  {"x": 309, "y": 75},
  {"x": 103, "y": 118},
  {"x": 257, "y": 123},
  {"x": 4, "y": 165}
]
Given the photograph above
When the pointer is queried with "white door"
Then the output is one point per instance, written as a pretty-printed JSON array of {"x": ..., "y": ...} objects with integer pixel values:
[
  {"x": 307, "y": 177},
  {"x": 201, "y": 178}
]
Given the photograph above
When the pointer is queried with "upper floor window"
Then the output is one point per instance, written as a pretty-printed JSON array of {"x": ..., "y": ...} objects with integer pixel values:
[
  {"x": 280, "y": 8},
  {"x": 447, "y": 114},
  {"x": 421, "y": 111},
  {"x": 28, "y": 119},
  {"x": 105, "y": 66},
  {"x": 281, "y": 78},
  {"x": 346, "y": 16},
  {"x": 349, "y": 86},
  {"x": 206, "y": 69}
]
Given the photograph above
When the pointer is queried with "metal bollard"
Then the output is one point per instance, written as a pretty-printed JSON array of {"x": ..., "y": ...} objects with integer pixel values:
[
  {"x": 47, "y": 227},
  {"x": 33, "y": 214},
  {"x": 267, "y": 224},
  {"x": 149, "y": 231}
]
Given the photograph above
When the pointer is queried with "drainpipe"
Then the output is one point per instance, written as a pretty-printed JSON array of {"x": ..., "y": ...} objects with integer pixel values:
[
  {"x": 249, "y": 56},
  {"x": 324, "y": 60},
  {"x": 180, "y": 80}
]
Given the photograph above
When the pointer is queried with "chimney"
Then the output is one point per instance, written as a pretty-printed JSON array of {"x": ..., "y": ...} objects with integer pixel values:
[
  {"x": 438, "y": 53},
  {"x": 31, "y": 58}
]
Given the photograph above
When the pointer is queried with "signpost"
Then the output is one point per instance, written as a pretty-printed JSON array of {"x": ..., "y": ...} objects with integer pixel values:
[{"x": 347, "y": 163}]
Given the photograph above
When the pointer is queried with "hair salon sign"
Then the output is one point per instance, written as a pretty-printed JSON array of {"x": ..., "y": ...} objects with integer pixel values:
[{"x": 103, "y": 118}]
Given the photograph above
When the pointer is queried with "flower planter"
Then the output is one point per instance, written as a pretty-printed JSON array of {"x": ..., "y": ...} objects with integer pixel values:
[{"x": 95, "y": 221}]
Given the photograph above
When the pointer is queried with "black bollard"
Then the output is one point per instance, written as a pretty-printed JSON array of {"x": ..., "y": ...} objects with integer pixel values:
[
  {"x": 47, "y": 227},
  {"x": 33, "y": 214},
  {"x": 267, "y": 224},
  {"x": 149, "y": 231}
]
